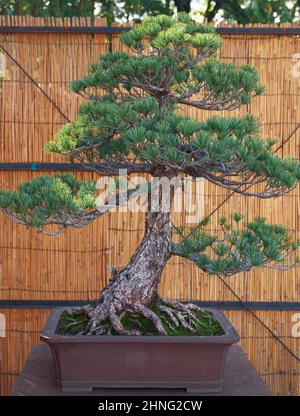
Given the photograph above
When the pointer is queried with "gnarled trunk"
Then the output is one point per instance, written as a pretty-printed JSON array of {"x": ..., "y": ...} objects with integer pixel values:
[
  {"x": 138, "y": 281},
  {"x": 135, "y": 286}
]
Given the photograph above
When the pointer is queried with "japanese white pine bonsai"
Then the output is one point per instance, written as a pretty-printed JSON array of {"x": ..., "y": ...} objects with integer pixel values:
[{"x": 130, "y": 121}]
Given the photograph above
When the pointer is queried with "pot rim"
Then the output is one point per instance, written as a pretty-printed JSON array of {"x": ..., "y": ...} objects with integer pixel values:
[{"x": 229, "y": 337}]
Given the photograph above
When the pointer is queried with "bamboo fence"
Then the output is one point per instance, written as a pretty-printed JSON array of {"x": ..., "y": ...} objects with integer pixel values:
[{"x": 73, "y": 265}]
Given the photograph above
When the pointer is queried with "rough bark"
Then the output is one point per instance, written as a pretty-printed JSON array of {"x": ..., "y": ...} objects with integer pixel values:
[
  {"x": 134, "y": 288},
  {"x": 136, "y": 284}
]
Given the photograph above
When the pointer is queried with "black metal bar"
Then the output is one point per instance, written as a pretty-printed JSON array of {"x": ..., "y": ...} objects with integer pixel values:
[
  {"x": 260, "y": 306},
  {"x": 225, "y": 305},
  {"x": 110, "y": 30},
  {"x": 41, "y": 166},
  {"x": 281, "y": 31}
]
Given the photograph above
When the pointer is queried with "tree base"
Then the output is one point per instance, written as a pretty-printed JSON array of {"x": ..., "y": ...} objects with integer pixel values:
[{"x": 164, "y": 317}]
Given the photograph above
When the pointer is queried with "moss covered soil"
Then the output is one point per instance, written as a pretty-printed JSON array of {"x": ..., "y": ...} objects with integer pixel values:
[{"x": 207, "y": 325}]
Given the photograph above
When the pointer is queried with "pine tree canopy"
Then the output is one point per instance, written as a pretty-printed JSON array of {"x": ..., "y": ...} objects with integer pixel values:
[{"x": 130, "y": 120}]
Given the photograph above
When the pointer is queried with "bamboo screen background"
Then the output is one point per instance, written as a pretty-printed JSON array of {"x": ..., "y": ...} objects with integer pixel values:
[{"x": 73, "y": 265}]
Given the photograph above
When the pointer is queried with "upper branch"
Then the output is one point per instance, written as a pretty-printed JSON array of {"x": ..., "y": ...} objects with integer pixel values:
[
  {"x": 229, "y": 153},
  {"x": 130, "y": 94},
  {"x": 217, "y": 85},
  {"x": 129, "y": 121},
  {"x": 99, "y": 139},
  {"x": 167, "y": 63}
]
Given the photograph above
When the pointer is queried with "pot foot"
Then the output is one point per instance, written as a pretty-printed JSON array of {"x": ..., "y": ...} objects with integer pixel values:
[
  {"x": 76, "y": 389},
  {"x": 202, "y": 390}
]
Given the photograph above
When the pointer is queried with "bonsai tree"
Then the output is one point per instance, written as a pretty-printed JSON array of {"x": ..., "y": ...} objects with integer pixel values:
[{"x": 130, "y": 122}]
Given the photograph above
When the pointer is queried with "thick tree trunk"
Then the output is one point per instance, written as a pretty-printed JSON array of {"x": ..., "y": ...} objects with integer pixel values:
[
  {"x": 136, "y": 285},
  {"x": 134, "y": 288},
  {"x": 138, "y": 281}
]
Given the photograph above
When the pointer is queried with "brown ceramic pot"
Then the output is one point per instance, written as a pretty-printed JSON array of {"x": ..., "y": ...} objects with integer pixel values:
[{"x": 195, "y": 363}]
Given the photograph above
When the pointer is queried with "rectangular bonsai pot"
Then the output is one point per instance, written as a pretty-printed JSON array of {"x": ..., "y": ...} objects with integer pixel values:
[{"x": 195, "y": 363}]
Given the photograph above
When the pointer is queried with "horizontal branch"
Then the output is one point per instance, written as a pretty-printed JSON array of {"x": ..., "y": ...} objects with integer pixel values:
[
  {"x": 243, "y": 187},
  {"x": 114, "y": 168},
  {"x": 51, "y": 204},
  {"x": 246, "y": 267},
  {"x": 237, "y": 249},
  {"x": 217, "y": 105}
]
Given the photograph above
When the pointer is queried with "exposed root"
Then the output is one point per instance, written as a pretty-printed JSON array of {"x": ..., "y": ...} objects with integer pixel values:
[
  {"x": 96, "y": 315},
  {"x": 184, "y": 322},
  {"x": 193, "y": 307},
  {"x": 101, "y": 330},
  {"x": 107, "y": 318},
  {"x": 168, "y": 324},
  {"x": 171, "y": 314},
  {"x": 182, "y": 306},
  {"x": 181, "y": 314},
  {"x": 118, "y": 326},
  {"x": 152, "y": 316}
]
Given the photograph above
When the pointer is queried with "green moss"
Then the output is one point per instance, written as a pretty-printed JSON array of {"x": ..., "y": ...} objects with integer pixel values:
[
  {"x": 71, "y": 324},
  {"x": 207, "y": 325}
]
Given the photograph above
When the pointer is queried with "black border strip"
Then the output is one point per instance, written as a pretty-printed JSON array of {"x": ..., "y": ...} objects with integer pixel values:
[
  {"x": 110, "y": 30},
  {"x": 42, "y": 166},
  {"x": 225, "y": 305}
]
